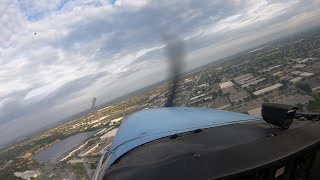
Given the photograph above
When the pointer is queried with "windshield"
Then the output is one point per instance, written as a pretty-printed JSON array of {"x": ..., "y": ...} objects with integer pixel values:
[{"x": 72, "y": 71}]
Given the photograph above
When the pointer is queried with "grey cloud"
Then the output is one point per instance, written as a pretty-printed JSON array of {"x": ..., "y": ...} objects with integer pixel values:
[
  {"x": 68, "y": 89},
  {"x": 131, "y": 30},
  {"x": 11, "y": 106},
  {"x": 14, "y": 108}
]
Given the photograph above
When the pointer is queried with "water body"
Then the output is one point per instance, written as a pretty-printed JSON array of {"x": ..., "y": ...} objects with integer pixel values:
[{"x": 61, "y": 147}]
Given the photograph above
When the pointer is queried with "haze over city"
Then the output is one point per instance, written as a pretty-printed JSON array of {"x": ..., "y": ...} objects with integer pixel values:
[{"x": 54, "y": 57}]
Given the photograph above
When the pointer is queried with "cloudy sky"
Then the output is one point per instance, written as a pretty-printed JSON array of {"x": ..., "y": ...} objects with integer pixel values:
[{"x": 56, "y": 55}]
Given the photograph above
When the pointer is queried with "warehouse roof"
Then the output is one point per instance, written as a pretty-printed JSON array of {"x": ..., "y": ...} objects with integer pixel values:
[
  {"x": 226, "y": 85},
  {"x": 270, "y": 88}
]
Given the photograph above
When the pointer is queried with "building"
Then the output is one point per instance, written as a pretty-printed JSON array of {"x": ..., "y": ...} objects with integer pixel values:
[
  {"x": 227, "y": 87},
  {"x": 306, "y": 74},
  {"x": 272, "y": 68},
  {"x": 227, "y": 84},
  {"x": 254, "y": 82},
  {"x": 307, "y": 60},
  {"x": 243, "y": 79},
  {"x": 296, "y": 72},
  {"x": 238, "y": 96},
  {"x": 267, "y": 89},
  {"x": 295, "y": 80},
  {"x": 197, "y": 97},
  {"x": 75, "y": 161},
  {"x": 248, "y": 80},
  {"x": 200, "y": 100},
  {"x": 299, "y": 66},
  {"x": 204, "y": 85},
  {"x": 280, "y": 74}
]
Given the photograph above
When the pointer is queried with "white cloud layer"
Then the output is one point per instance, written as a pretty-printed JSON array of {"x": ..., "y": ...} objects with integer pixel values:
[{"x": 54, "y": 57}]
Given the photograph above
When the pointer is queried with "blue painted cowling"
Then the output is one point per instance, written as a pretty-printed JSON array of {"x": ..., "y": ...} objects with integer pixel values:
[{"x": 148, "y": 125}]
